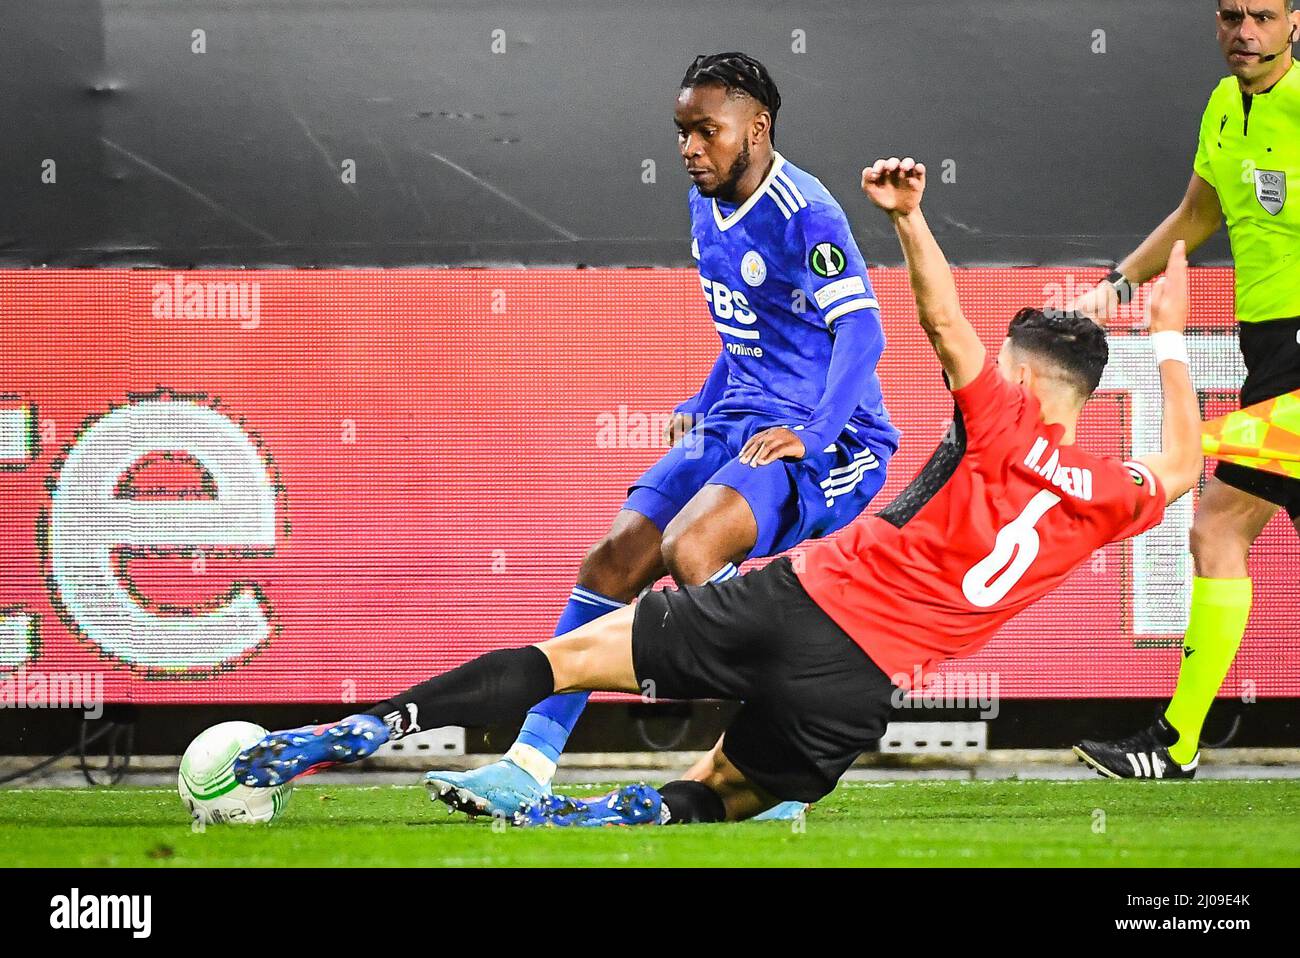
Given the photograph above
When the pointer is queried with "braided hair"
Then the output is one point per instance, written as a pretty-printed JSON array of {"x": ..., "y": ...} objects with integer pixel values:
[
  {"x": 1069, "y": 340},
  {"x": 739, "y": 73}
]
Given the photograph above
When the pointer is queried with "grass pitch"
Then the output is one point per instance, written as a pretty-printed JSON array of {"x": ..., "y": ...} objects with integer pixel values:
[{"x": 982, "y": 823}]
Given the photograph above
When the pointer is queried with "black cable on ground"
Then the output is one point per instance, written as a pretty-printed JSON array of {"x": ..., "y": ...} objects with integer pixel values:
[
  {"x": 80, "y": 746},
  {"x": 1228, "y": 736},
  {"x": 643, "y": 733},
  {"x": 116, "y": 770}
]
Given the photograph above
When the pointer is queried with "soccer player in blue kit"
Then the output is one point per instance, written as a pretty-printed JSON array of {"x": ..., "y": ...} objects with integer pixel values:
[{"x": 788, "y": 439}]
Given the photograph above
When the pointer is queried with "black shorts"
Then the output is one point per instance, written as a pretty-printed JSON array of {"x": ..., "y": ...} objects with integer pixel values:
[
  {"x": 1271, "y": 351},
  {"x": 813, "y": 701}
]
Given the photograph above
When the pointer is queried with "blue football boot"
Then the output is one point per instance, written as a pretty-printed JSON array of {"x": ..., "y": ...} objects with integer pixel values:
[
  {"x": 629, "y": 805},
  {"x": 283, "y": 756},
  {"x": 782, "y": 812},
  {"x": 499, "y": 789}
]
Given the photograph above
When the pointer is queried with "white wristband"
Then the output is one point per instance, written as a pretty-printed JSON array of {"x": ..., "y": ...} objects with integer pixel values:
[{"x": 1168, "y": 344}]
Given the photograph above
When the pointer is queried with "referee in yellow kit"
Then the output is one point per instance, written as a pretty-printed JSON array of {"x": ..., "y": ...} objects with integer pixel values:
[{"x": 1247, "y": 160}]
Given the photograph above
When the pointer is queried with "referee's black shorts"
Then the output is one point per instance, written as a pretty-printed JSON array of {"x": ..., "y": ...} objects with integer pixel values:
[
  {"x": 813, "y": 701},
  {"x": 1271, "y": 351}
]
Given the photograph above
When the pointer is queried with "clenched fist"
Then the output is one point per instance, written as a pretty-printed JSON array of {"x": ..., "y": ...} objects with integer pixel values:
[{"x": 895, "y": 185}]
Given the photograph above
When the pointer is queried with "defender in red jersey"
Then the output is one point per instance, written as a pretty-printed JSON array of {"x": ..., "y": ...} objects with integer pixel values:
[
  {"x": 1004, "y": 510},
  {"x": 996, "y": 520}
]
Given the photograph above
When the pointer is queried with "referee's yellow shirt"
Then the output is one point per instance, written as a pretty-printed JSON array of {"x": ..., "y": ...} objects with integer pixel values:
[{"x": 1249, "y": 151}]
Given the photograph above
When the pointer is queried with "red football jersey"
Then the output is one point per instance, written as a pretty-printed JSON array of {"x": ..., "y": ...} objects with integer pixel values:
[{"x": 997, "y": 518}]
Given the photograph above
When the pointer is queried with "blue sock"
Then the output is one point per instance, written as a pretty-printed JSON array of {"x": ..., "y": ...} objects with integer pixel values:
[{"x": 549, "y": 724}]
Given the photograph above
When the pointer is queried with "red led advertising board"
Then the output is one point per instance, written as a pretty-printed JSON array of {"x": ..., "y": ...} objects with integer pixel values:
[{"x": 275, "y": 486}]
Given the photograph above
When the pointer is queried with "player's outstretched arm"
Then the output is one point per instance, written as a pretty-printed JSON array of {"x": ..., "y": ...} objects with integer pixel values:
[
  {"x": 1196, "y": 219},
  {"x": 1178, "y": 464},
  {"x": 688, "y": 413},
  {"x": 896, "y": 186}
]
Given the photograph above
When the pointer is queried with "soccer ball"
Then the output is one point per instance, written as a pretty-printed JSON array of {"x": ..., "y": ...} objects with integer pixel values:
[{"x": 207, "y": 779}]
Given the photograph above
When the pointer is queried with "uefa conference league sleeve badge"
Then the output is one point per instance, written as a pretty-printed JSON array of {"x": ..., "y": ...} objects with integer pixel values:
[{"x": 826, "y": 260}]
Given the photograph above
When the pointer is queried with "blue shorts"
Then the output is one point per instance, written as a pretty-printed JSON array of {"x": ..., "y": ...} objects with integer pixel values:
[{"x": 791, "y": 501}]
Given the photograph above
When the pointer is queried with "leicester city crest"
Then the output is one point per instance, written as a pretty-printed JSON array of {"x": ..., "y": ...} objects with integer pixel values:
[{"x": 752, "y": 268}]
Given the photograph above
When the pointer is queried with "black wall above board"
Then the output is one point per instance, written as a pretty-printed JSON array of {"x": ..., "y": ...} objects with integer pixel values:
[{"x": 1066, "y": 127}]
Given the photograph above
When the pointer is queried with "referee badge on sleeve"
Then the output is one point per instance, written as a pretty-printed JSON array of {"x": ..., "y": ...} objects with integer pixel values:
[{"x": 1270, "y": 190}]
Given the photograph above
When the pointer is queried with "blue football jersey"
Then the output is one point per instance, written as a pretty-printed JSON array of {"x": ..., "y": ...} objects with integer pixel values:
[{"x": 778, "y": 272}]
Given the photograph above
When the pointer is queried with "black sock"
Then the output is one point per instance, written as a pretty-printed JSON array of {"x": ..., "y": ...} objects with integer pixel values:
[
  {"x": 692, "y": 802},
  {"x": 497, "y": 687}
]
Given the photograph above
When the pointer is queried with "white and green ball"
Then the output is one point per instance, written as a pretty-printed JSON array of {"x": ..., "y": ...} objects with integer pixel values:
[{"x": 207, "y": 779}]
